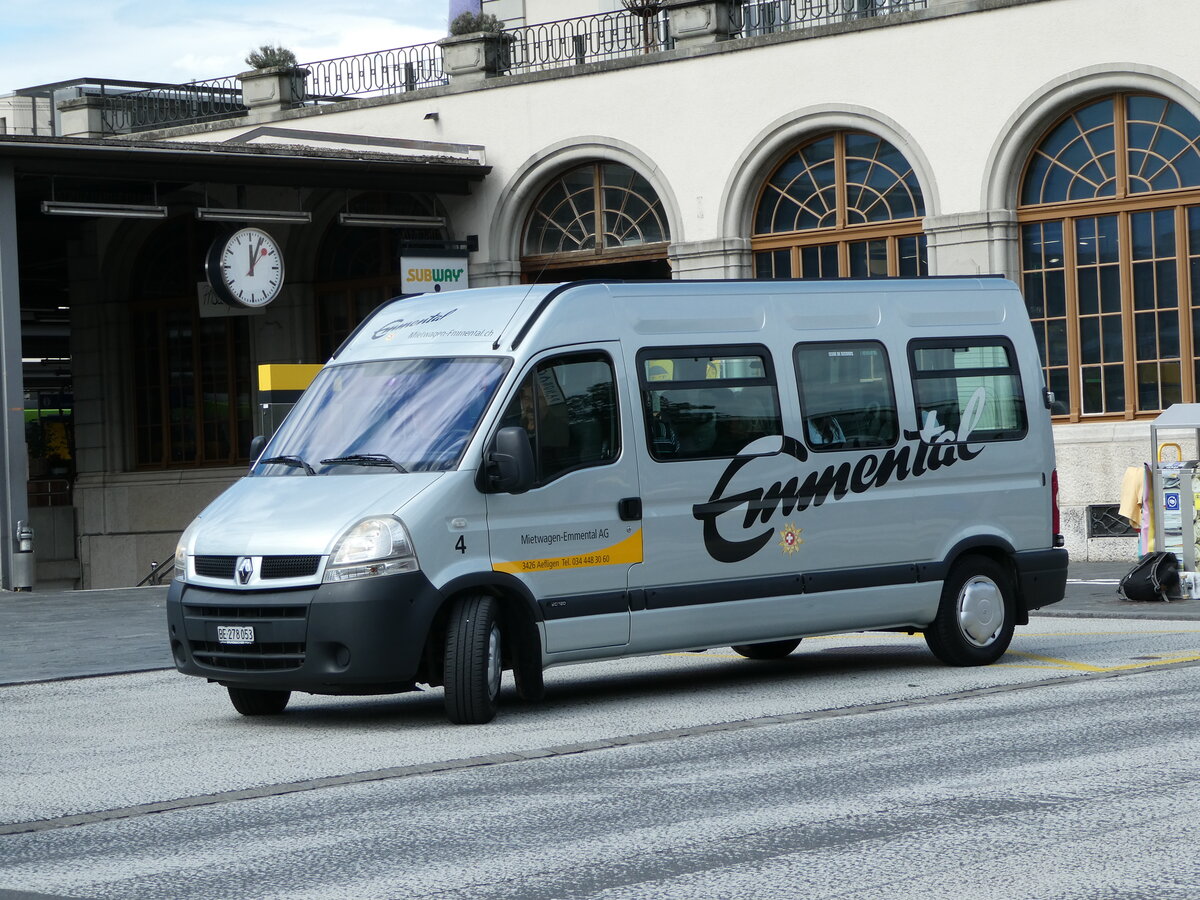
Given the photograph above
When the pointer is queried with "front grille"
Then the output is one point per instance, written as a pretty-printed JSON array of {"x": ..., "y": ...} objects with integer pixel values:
[
  {"x": 272, "y": 566},
  {"x": 289, "y": 566},
  {"x": 215, "y": 566},
  {"x": 245, "y": 612},
  {"x": 264, "y": 657}
]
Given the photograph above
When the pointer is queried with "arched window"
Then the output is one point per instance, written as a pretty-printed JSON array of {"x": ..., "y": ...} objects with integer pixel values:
[
  {"x": 843, "y": 204},
  {"x": 1110, "y": 255},
  {"x": 600, "y": 214}
]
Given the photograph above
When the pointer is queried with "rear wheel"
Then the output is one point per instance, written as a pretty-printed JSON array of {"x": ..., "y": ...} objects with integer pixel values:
[
  {"x": 472, "y": 660},
  {"x": 976, "y": 615},
  {"x": 767, "y": 649},
  {"x": 253, "y": 702}
]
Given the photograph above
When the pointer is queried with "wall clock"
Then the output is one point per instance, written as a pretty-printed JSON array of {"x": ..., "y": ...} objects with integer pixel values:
[{"x": 245, "y": 268}]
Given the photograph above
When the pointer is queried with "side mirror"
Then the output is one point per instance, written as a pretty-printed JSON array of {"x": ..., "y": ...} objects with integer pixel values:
[
  {"x": 509, "y": 464},
  {"x": 256, "y": 448}
]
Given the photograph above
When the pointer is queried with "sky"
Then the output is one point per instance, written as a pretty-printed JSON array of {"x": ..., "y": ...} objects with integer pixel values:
[{"x": 176, "y": 41}]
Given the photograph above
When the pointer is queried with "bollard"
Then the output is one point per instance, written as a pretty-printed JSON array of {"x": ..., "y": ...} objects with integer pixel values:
[{"x": 24, "y": 559}]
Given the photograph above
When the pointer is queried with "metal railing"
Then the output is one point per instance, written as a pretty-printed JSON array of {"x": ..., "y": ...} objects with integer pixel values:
[
  {"x": 530, "y": 48},
  {"x": 179, "y": 104},
  {"x": 573, "y": 42},
  {"x": 394, "y": 71},
  {"x": 770, "y": 16}
]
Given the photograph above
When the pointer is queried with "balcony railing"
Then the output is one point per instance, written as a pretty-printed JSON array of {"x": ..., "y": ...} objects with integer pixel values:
[
  {"x": 533, "y": 48},
  {"x": 165, "y": 105},
  {"x": 393, "y": 71},
  {"x": 770, "y": 16},
  {"x": 587, "y": 39}
]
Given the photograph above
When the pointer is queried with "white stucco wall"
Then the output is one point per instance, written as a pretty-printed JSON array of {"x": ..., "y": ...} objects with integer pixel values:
[
  {"x": 964, "y": 96},
  {"x": 957, "y": 94}
]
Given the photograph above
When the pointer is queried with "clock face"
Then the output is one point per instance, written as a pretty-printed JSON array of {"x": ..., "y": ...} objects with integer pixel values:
[{"x": 246, "y": 268}]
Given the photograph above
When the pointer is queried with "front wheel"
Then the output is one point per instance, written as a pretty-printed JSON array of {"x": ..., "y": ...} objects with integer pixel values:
[
  {"x": 767, "y": 649},
  {"x": 976, "y": 615},
  {"x": 473, "y": 663},
  {"x": 253, "y": 702}
]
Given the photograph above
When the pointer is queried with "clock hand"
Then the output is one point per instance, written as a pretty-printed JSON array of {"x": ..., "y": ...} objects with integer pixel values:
[{"x": 254, "y": 256}]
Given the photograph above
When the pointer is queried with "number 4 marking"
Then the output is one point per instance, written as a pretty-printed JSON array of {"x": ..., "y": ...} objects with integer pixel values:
[{"x": 461, "y": 545}]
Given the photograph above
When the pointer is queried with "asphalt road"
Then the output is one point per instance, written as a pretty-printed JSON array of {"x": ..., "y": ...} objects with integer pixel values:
[
  {"x": 1079, "y": 791},
  {"x": 857, "y": 767}
]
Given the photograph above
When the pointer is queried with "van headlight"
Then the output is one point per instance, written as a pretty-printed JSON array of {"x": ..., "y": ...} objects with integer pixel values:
[
  {"x": 379, "y": 545},
  {"x": 181, "y": 565}
]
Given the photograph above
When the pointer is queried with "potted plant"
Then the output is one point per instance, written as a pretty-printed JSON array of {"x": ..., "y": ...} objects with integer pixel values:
[
  {"x": 477, "y": 47},
  {"x": 274, "y": 79}
]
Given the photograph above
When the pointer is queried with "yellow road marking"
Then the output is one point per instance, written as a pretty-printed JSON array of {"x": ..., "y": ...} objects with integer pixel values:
[
  {"x": 1047, "y": 662},
  {"x": 1054, "y": 663}
]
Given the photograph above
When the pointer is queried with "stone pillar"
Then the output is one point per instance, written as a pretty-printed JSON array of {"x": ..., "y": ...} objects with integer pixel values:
[
  {"x": 496, "y": 272},
  {"x": 274, "y": 89},
  {"x": 698, "y": 22},
  {"x": 471, "y": 58},
  {"x": 978, "y": 243},
  {"x": 14, "y": 467},
  {"x": 721, "y": 258},
  {"x": 83, "y": 117}
]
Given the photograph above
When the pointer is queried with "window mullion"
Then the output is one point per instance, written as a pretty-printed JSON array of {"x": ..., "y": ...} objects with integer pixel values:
[
  {"x": 1121, "y": 149},
  {"x": 1124, "y": 242},
  {"x": 598, "y": 203},
  {"x": 1187, "y": 366},
  {"x": 839, "y": 175},
  {"x": 1071, "y": 290}
]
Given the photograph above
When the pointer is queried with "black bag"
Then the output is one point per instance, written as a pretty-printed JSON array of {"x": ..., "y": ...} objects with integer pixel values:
[{"x": 1155, "y": 577}]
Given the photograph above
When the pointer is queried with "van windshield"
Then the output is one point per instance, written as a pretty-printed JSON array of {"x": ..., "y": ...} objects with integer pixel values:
[{"x": 396, "y": 415}]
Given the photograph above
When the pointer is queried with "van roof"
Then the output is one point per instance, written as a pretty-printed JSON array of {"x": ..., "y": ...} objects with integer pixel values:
[{"x": 484, "y": 321}]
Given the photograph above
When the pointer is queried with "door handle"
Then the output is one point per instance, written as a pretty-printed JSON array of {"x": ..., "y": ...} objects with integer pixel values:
[{"x": 630, "y": 509}]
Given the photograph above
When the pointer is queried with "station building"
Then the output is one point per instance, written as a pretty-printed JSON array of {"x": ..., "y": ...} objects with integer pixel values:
[{"x": 1054, "y": 142}]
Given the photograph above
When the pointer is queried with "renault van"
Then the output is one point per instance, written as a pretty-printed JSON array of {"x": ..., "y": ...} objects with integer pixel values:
[{"x": 513, "y": 478}]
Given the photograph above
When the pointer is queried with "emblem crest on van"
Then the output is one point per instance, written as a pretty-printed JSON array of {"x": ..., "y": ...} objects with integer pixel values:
[
  {"x": 245, "y": 569},
  {"x": 789, "y": 539}
]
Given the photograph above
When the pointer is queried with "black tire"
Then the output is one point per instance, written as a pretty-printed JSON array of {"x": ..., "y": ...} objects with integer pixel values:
[
  {"x": 976, "y": 615},
  {"x": 473, "y": 660},
  {"x": 767, "y": 649},
  {"x": 253, "y": 702}
]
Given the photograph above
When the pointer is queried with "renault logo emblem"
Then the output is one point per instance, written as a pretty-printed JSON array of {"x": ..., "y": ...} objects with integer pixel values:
[{"x": 245, "y": 569}]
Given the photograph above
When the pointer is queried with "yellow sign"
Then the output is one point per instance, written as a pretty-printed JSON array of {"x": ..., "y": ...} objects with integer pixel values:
[{"x": 624, "y": 552}]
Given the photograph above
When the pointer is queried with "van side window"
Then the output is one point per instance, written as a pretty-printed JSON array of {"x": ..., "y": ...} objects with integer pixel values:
[
  {"x": 568, "y": 406},
  {"x": 846, "y": 395},
  {"x": 707, "y": 402},
  {"x": 970, "y": 386}
]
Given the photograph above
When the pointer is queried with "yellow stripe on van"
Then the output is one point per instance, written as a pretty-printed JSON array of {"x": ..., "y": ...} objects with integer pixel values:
[{"x": 623, "y": 552}]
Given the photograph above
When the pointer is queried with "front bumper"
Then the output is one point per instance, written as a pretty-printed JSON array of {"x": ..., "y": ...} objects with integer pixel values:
[{"x": 356, "y": 637}]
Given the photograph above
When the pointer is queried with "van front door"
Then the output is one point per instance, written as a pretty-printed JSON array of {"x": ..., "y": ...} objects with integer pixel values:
[{"x": 566, "y": 537}]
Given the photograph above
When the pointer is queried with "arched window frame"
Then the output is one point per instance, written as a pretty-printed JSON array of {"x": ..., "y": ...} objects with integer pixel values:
[
  {"x": 1123, "y": 390},
  {"x": 844, "y": 248},
  {"x": 604, "y": 247}
]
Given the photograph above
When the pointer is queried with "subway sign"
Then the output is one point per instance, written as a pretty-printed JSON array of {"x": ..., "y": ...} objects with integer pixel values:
[{"x": 432, "y": 274}]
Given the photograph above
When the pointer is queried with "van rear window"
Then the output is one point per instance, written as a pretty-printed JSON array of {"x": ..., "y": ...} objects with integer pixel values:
[
  {"x": 707, "y": 403},
  {"x": 970, "y": 386}
]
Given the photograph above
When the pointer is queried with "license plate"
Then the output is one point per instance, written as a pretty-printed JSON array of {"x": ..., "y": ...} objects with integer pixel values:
[{"x": 235, "y": 634}]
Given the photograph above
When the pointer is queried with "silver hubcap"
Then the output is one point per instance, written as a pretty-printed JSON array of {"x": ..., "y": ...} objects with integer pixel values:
[
  {"x": 493, "y": 662},
  {"x": 980, "y": 610}
]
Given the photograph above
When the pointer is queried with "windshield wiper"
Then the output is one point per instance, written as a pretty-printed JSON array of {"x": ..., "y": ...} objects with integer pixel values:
[
  {"x": 365, "y": 459},
  {"x": 294, "y": 461}
]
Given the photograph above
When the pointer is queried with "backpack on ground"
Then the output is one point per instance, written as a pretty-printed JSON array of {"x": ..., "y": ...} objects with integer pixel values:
[{"x": 1154, "y": 577}]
